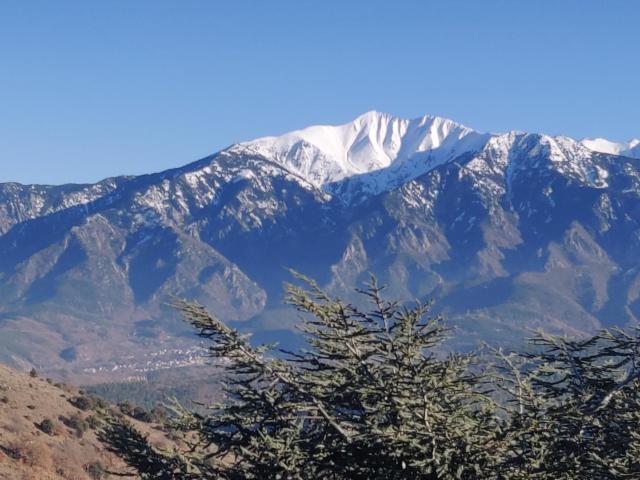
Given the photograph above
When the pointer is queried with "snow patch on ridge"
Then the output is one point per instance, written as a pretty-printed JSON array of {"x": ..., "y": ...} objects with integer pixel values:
[{"x": 602, "y": 145}]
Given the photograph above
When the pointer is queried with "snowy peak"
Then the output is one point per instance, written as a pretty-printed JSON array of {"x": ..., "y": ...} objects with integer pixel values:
[
  {"x": 378, "y": 152},
  {"x": 602, "y": 145},
  {"x": 373, "y": 143}
]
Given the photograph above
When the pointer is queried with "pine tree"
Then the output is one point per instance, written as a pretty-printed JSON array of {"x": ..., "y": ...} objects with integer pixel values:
[
  {"x": 375, "y": 396},
  {"x": 574, "y": 408}
]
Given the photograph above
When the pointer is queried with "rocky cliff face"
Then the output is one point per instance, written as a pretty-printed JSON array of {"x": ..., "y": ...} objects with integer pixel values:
[{"x": 506, "y": 232}]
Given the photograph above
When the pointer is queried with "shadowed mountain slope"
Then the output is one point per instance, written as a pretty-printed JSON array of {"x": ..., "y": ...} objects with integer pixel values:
[{"x": 506, "y": 231}]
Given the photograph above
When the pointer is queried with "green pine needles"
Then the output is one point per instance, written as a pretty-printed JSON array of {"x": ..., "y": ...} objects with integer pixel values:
[{"x": 375, "y": 397}]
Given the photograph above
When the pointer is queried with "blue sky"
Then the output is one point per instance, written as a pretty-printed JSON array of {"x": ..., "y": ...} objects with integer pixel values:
[{"x": 93, "y": 89}]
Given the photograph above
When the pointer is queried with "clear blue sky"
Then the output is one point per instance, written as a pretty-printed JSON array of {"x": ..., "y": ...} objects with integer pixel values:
[{"x": 91, "y": 89}]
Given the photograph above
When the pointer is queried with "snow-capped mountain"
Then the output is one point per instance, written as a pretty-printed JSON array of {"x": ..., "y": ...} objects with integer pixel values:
[
  {"x": 378, "y": 152},
  {"x": 505, "y": 231},
  {"x": 386, "y": 150},
  {"x": 628, "y": 149}
]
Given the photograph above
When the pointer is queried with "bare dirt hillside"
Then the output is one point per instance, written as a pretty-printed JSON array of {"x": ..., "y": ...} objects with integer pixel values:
[{"x": 48, "y": 432}]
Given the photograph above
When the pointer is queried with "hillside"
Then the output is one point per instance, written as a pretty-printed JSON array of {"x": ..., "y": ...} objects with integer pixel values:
[
  {"x": 506, "y": 232},
  {"x": 67, "y": 449}
]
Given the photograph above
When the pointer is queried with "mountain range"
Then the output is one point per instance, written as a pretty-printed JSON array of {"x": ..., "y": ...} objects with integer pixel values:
[{"x": 505, "y": 232}]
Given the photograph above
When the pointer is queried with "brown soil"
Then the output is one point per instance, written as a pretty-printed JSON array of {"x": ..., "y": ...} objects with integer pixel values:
[{"x": 54, "y": 450}]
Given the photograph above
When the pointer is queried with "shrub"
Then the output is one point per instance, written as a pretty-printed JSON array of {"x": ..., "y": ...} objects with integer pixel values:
[
  {"x": 13, "y": 450},
  {"x": 95, "y": 471},
  {"x": 30, "y": 452},
  {"x": 127, "y": 408},
  {"x": 83, "y": 402},
  {"x": 76, "y": 423},
  {"x": 158, "y": 414},
  {"x": 100, "y": 402},
  {"x": 93, "y": 422},
  {"x": 142, "y": 415},
  {"x": 47, "y": 426}
]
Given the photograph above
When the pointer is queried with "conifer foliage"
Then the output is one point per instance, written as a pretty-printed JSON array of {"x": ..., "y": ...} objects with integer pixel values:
[{"x": 375, "y": 397}]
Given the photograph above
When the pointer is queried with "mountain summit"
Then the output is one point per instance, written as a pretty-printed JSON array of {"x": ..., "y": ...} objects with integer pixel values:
[
  {"x": 393, "y": 149},
  {"x": 505, "y": 231},
  {"x": 377, "y": 152}
]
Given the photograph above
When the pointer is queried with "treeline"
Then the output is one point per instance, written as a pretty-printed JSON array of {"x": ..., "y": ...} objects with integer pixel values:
[
  {"x": 142, "y": 393},
  {"x": 185, "y": 385},
  {"x": 371, "y": 399}
]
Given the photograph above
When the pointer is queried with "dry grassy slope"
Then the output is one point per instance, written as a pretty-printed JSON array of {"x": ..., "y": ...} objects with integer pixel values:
[{"x": 27, "y": 453}]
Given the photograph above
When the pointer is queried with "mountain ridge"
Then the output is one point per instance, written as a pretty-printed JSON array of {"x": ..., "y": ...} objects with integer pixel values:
[
  {"x": 426, "y": 135},
  {"x": 522, "y": 230}
]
